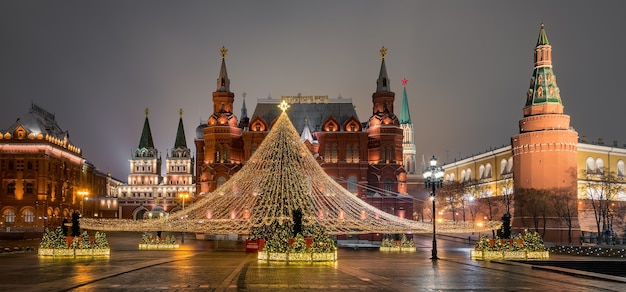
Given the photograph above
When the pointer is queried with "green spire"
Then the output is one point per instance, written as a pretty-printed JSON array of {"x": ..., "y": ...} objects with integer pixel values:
[
  {"x": 405, "y": 114},
  {"x": 543, "y": 87},
  {"x": 146, "y": 135},
  {"x": 181, "y": 142},
  {"x": 543, "y": 38}
]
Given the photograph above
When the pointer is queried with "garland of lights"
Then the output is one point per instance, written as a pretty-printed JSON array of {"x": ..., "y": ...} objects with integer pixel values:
[{"x": 281, "y": 176}]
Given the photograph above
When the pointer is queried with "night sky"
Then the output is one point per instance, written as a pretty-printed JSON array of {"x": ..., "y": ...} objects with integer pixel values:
[{"x": 98, "y": 64}]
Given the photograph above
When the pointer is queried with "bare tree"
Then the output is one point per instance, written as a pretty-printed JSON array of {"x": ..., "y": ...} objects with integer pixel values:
[
  {"x": 506, "y": 194},
  {"x": 618, "y": 214},
  {"x": 451, "y": 196},
  {"x": 601, "y": 188},
  {"x": 482, "y": 192},
  {"x": 565, "y": 205},
  {"x": 534, "y": 204},
  {"x": 473, "y": 205}
]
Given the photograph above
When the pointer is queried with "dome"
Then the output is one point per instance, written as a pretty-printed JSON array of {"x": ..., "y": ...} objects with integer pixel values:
[{"x": 200, "y": 131}]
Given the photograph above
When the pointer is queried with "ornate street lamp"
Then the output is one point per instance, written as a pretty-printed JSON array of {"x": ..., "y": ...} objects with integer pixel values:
[
  {"x": 82, "y": 195},
  {"x": 433, "y": 177}
]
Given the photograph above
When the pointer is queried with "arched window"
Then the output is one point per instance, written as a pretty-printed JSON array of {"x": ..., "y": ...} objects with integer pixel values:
[
  {"x": 590, "y": 165},
  {"x": 220, "y": 181},
  {"x": 509, "y": 165},
  {"x": 620, "y": 168},
  {"x": 29, "y": 188},
  {"x": 481, "y": 172},
  {"x": 348, "y": 153},
  {"x": 502, "y": 166},
  {"x": 468, "y": 174},
  {"x": 11, "y": 188},
  {"x": 29, "y": 217},
  {"x": 355, "y": 153},
  {"x": 327, "y": 154},
  {"x": 9, "y": 217},
  {"x": 388, "y": 186},
  {"x": 462, "y": 175},
  {"x": 600, "y": 166},
  {"x": 488, "y": 170},
  {"x": 352, "y": 185}
]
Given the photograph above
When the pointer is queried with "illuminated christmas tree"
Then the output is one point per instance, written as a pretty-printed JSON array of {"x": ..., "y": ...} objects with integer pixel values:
[{"x": 280, "y": 178}]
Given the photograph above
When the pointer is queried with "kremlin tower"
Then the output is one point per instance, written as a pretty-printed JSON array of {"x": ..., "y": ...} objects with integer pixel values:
[
  {"x": 385, "y": 136},
  {"x": 545, "y": 150},
  {"x": 219, "y": 144}
]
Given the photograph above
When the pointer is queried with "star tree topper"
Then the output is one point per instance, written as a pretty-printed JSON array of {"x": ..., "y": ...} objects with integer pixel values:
[{"x": 283, "y": 106}]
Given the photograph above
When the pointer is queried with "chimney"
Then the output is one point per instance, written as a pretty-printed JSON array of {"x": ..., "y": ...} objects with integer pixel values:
[
  {"x": 600, "y": 142},
  {"x": 614, "y": 143},
  {"x": 583, "y": 139}
]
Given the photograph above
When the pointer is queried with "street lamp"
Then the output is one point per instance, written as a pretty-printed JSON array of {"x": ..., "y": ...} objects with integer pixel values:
[
  {"x": 433, "y": 177},
  {"x": 183, "y": 196},
  {"x": 82, "y": 194}
]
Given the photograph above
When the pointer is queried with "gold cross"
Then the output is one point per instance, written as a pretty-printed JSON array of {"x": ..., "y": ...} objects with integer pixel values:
[
  {"x": 283, "y": 106},
  {"x": 147, "y": 111},
  {"x": 180, "y": 112},
  {"x": 383, "y": 52},
  {"x": 223, "y": 51}
]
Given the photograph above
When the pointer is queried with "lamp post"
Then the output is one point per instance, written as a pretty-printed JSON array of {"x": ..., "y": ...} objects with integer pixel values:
[
  {"x": 183, "y": 196},
  {"x": 82, "y": 195},
  {"x": 433, "y": 177}
]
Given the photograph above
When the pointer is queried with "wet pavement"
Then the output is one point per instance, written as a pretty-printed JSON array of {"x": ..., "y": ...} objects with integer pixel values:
[{"x": 223, "y": 266}]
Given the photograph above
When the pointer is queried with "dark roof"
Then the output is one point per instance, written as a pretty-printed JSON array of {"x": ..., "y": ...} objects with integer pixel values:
[
  {"x": 181, "y": 141},
  {"x": 542, "y": 40},
  {"x": 146, "y": 136},
  {"x": 314, "y": 113},
  {"x": 37, "y": 121}
]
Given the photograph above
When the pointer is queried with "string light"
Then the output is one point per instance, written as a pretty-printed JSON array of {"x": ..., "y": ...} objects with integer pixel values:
[{"x": 281, "y": 176}]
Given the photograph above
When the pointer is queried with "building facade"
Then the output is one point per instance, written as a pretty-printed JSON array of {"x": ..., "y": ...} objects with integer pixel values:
[
  {"x": 148, "y": 194},
  {"x": 366, "y": 157},
  {"x": 44, "y": 178},
  {"x": 546, "y": 158}
]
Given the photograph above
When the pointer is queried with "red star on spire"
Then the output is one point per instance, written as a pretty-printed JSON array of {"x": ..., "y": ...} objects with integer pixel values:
[{"x": 404, "y": 81}]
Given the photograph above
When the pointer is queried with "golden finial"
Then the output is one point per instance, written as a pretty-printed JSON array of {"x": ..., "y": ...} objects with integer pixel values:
[
  {"x": 180, "y": 112},
  {"x": 383, "y": 52},
  {"x": 244, "y": 94},
  {"x": 147, "y": 111},
  {"x": 283, "y": 106},
  {"x": 223, "y": 52}
]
